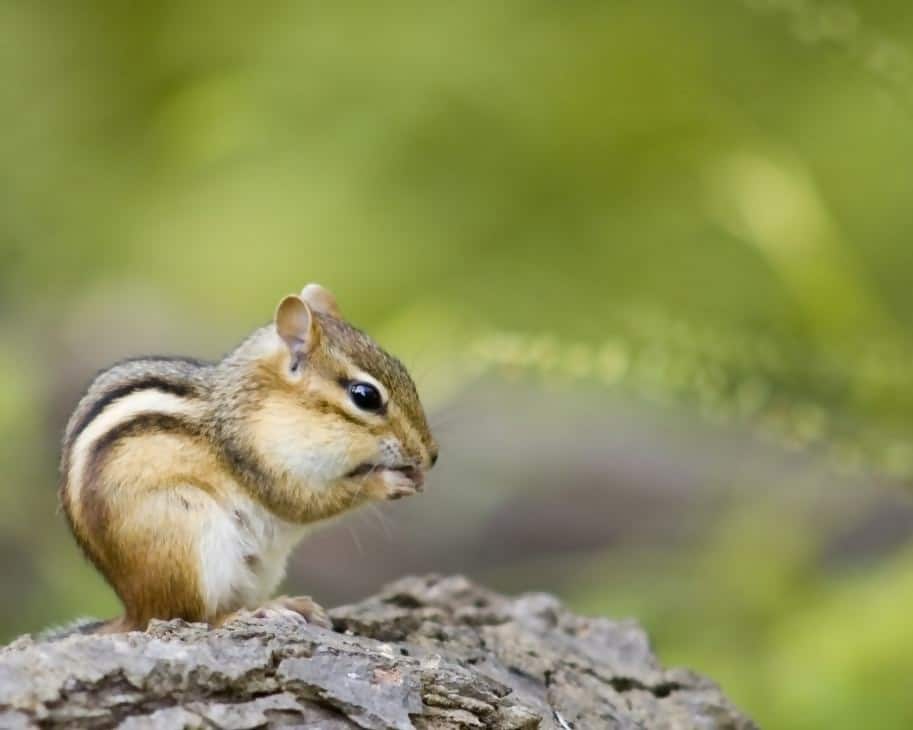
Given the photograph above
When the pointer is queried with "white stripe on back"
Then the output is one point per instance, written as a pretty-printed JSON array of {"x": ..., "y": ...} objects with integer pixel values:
[{"x": 116, "y": 413}]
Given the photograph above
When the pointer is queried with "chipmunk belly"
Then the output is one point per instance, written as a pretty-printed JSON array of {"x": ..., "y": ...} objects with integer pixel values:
[{"x": 243, "y": 550}]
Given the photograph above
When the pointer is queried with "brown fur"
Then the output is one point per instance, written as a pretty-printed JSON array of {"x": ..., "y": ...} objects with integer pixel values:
[{"x": 148, "y": 479}]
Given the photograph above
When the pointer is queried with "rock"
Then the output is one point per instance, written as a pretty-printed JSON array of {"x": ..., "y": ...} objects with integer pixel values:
[{"x": 425, "y": 653}]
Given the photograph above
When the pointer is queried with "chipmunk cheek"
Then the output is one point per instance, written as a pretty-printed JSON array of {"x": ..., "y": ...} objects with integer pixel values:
[{"x": 360, "y": 454}]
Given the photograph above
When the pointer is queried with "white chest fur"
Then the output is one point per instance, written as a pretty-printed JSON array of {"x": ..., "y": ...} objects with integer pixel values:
[{"x": 243, "y": 553}]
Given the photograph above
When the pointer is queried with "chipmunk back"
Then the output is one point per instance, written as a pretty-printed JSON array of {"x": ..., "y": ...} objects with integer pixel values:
[{"x": 188, "y": 483}]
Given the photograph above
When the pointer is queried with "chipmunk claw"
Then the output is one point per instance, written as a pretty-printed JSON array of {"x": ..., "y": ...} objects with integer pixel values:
[
  {"x": 303, "y": 606},
  {"x": 400, "y": 491},
  {"x": 301, "y": 609}
]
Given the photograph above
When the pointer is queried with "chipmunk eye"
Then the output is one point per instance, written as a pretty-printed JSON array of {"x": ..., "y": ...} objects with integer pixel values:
[{"x": 366, "y": 397}]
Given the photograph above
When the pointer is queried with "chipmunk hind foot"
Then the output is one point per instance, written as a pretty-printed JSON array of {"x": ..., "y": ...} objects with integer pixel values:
[{"x": 302, "y": 607}]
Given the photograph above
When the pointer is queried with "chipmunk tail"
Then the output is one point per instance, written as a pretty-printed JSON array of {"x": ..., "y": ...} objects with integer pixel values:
[{"x": 80, "y": 627}]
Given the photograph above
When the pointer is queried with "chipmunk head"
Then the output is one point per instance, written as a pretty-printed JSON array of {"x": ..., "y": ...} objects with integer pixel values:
[{"x": 341, "y": 410}]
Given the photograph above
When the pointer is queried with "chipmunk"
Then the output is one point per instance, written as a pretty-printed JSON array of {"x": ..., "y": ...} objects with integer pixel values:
[{"x": 188, "y": 483}]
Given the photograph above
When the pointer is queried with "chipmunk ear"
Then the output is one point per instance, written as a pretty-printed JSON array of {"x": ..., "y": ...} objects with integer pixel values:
[
  {"x": 320, "y": 300},
  {"x": 296, "y": 326}
]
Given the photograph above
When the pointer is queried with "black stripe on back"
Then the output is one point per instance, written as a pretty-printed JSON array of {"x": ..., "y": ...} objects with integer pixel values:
[
  {"x": 95, "y": 509},
  {"x": 141, "y": 423},
  {"x": 151, "y": 383}
]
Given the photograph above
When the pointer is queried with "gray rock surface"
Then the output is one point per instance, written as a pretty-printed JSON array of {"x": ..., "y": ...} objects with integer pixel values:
[{"x": 424, "y": 653}]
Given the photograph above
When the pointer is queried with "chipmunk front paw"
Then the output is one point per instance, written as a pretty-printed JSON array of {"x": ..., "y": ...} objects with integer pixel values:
[{"x": 402, "y": 482}]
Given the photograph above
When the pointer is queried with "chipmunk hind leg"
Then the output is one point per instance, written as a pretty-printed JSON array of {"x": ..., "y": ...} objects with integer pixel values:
[{"x": 154, "y": 566}]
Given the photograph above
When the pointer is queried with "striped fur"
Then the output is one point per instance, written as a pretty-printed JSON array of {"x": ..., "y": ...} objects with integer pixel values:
[{"x": 188, "y": 483}]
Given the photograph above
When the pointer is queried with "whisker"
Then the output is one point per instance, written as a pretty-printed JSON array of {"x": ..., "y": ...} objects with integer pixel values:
[
  {"x": 361, "y": 482},
  {"x": 446, "y": 423},
  {"x": 448, "y": 411},
  {"x": 382, "y": 520},
  {"x": 421, "y": 365},
  {"x": 355, "y": 539}
]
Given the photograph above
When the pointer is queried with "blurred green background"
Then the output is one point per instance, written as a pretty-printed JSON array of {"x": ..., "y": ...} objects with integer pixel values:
[{"x": 648, "y": 261}]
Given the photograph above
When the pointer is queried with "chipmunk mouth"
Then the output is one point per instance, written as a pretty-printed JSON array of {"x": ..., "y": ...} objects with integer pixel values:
[{"x": 410, "y": 472}]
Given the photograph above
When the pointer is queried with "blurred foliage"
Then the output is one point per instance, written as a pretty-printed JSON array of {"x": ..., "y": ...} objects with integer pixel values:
[
  {"x": 853, "y": 406},
  {"x": 703, "y": 204},
  {"x": 805, "y": 650}
]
